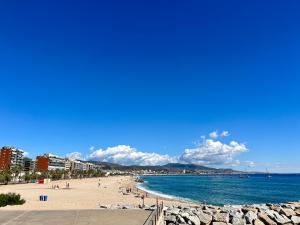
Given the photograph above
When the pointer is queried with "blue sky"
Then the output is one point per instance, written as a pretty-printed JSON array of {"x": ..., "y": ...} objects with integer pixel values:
[{"x": 152, "y": 75}]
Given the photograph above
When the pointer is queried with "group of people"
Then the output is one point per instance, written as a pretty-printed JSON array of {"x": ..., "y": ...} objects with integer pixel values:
[
  {"x": 128, "y": 190},
  {"x": 56, "y": 186}
]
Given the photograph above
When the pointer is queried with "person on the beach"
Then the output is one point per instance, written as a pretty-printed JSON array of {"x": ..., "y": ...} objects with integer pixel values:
[{"x": 143, "y": 200}]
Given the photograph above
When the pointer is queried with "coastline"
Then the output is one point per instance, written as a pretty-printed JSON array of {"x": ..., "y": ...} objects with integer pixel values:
[
  {"x": 176, "y": 199},
  {"x": 122, "y": 192},
  {"x": 86, "y": 194}
]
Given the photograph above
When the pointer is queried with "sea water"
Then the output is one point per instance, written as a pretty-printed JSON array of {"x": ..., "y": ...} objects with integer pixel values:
[{"x": 226, "y": 189}]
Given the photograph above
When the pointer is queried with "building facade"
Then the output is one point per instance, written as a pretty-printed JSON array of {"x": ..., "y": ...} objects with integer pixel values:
[
  {"x": 10, "y": 157},
  {"x": 41, "y": 163},
  {"x": 49, "y": 162}
]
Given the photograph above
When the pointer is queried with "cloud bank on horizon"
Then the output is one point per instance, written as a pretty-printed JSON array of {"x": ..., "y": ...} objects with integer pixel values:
[{"x": 208, "y": 152}]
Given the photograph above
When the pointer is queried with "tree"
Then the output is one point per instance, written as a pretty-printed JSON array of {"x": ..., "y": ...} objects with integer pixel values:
[{"x": 16, "y": 170}]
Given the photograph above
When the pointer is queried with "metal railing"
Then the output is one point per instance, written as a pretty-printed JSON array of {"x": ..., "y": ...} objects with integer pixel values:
[{"x": 154, "y": 216}]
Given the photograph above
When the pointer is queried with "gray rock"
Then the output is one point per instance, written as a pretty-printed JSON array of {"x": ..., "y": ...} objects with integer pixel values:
[
  {"x": 249, "y": 208},
  {"x": 236, "y": 214},
  {"x": 238, "y": 221},
  {"x": 258, "y": 222},
  {"x": 165, "y": 208},
  {"x": 262, "y": 208},
  {"x": 174, "y": 211},
  {"x": 180, "y": 219},
  {"x": 195, "y": 220},
  {"x": 265, "y": 219},
  {"x": 295, "y": 219},
  {"x": 288, "y": 212},
  {"x": 250, "y": 216},
  {"x": 282, "y": 219},
  {"x": 270, "y": 213},
  {"x": 219, "y": 223},
  {"x": 221, "y": 217},
  {"x": 203, "y": 217},
  {"x": 184, "y": 214},
  {"x": 276, "y": 208},
  {"x": 170, "y": 218},
  {"x": 208, "y": 212},
  {"x": 289, "y": 206}
]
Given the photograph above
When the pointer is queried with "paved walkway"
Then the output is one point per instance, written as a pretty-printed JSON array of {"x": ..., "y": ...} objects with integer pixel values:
[{"x": 74, "y": 217}]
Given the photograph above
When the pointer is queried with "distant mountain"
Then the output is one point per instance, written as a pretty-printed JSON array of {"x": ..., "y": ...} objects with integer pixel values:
[
  {"x": 168, "y": 167},
  {"x": 107, "y": 165},
  {"x": 180, "y": 166}
]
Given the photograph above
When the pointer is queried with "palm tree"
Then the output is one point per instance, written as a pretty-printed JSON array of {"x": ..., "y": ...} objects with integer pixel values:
[
  {"x": 6, "y": 176},
  {"x": 16, "y": 170}
]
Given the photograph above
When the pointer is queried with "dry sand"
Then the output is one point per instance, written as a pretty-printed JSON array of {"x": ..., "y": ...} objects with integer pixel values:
[{"x": 82, "y": 194}]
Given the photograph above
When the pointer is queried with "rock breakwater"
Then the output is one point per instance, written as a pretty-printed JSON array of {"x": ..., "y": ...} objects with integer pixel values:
[{"x": 258, "y": 214}]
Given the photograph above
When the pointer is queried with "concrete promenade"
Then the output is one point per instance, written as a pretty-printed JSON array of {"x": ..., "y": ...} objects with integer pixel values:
[{"x": 74, "y": 217}]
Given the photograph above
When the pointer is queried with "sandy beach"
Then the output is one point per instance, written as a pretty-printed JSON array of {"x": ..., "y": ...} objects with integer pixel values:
[{"x": 82, "y": 194}]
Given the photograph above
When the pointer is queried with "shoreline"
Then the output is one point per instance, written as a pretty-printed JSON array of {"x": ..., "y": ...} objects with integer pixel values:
[
  {"x": 86, "y": 194},
  {"x": 174, "y": 198}
]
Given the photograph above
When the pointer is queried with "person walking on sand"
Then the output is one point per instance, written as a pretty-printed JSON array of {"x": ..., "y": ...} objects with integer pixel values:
[{"x": 143, "y": 200}]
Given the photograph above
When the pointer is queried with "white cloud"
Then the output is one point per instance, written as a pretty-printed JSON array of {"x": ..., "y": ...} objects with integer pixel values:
[
  {"x": 213, "y": 134},
  {"x": 206, "y": 152},
  {"x": 75, "y": 155},
  {"x": 224, "y": 133},
  {"x": 126, "y": 155},
  {"x": 25, "y": 154},
  {"x": 212, "y": 152}
]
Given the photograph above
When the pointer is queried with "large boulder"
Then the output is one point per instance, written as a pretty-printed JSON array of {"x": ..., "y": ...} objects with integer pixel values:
[
  {"x": 295, "y": 219},
  {"x": 203, "y": 217},
  {"x": 184, "y": 214},
  {"x": 265, "y": 219},
  {"x": 288, "y": 212},
  {"x": 250, "y": 216},
  {"x": 221, "y": 217},
  {"x": 194, "y": 219},
  {"x": 281, "y": 219},
  {"x": 180, "y": 219},
  {"x": 246, "y": 209},
  {"x": 209, "y": 212},
  {"x": 170, "y": 218},
  {"x": 237, "y": 221},
  {"x": 237, "y": 214},
  {"x": 276, "y": 208},
  {"x": 258, "y": 222},
  {"x": 173, "y": 211}
]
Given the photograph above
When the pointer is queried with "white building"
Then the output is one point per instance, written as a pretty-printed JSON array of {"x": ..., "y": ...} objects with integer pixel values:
[{"x": 55, "y": 162}]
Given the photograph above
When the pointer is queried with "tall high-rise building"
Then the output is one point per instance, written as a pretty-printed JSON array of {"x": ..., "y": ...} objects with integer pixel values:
[{"x": 10, "y": 157}]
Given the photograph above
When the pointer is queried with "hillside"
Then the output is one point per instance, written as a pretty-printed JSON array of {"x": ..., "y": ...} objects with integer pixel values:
[{"x": 171, "y": 167}]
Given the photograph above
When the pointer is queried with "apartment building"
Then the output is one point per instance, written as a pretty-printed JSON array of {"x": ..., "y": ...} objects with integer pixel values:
[
  {"x": 49, "y": 162},
  {"x": 10, "y": 157}
]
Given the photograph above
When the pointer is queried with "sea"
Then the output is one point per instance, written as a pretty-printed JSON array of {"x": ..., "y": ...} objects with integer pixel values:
[{"x": 226, "y": 189}]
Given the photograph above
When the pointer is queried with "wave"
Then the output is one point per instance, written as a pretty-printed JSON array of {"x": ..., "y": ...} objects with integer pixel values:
[{"x": 167, "y": 196}]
